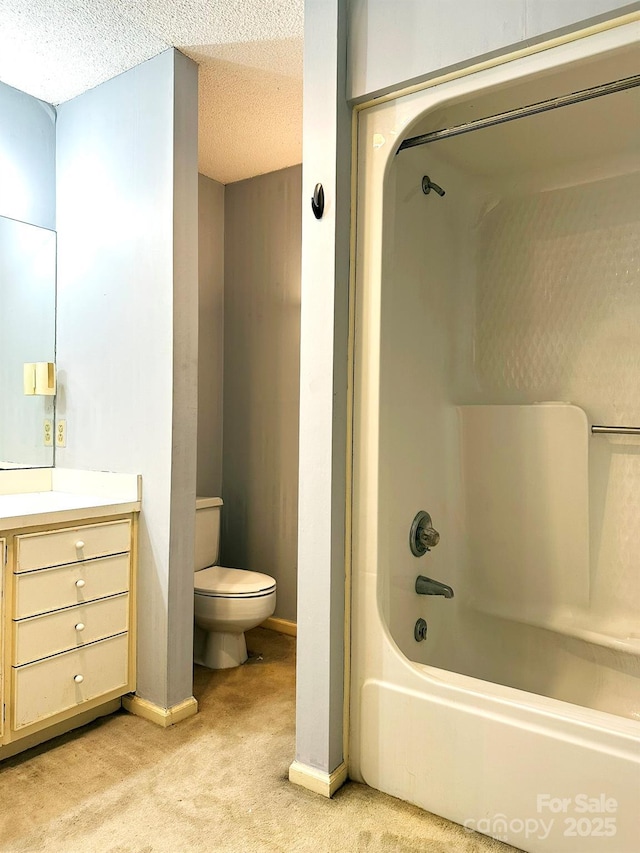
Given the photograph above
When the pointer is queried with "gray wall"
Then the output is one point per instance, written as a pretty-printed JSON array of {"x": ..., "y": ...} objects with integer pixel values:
[
  {"x": 261, "y": 378},
  {"x": 127, "y": 329},
  {"x": 210, "y": 335},
  {"x": 393, "y": 42},
  {"x": 27, "y": 158}
]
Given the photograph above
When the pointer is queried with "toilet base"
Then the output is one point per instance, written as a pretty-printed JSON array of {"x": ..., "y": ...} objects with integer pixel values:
[{"x": 219, "y": 650}]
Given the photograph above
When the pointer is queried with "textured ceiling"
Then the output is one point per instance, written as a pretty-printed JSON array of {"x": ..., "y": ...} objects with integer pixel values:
[{"x": 249, "y": 53}]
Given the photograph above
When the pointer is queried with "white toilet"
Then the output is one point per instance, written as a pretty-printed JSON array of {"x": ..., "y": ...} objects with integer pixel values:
[{"x": 228, "y": 602}]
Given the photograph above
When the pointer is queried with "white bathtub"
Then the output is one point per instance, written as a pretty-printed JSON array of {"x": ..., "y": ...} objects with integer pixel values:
[{"x": 519, "y": 717}]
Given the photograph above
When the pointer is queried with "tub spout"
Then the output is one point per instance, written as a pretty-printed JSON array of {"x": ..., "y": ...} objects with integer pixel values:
[{"x": 426, "y": 586}]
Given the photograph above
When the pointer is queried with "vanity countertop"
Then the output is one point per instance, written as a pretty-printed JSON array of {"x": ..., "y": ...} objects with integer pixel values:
[
  {"x": 33, "y": 508},
  {"x": 53, "y": 495}
]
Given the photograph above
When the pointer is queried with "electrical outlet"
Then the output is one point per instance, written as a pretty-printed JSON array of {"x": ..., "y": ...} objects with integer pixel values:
[
  {"x": 48, "y": 433},
  {"x": 61, "y": 433}
]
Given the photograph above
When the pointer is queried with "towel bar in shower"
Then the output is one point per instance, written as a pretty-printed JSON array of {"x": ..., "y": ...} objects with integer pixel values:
[{"x": 615, "y": 430}]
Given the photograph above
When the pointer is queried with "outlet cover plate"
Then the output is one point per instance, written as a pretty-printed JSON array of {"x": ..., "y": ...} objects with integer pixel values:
[{"x": 61, "y": 433}]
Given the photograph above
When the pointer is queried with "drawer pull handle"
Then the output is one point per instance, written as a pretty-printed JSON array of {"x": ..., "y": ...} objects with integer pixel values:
[
  {"x": 78, "y": 679},
  {"x": 79, "y": 545},
  {"x": 80, "y": 583},
  {"x": 80, "y": 626}
]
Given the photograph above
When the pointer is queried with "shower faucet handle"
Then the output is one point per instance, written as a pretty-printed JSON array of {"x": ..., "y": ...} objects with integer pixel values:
[
  {"x": 428, "y": 536},
  {"x": 423, "y": 535}
]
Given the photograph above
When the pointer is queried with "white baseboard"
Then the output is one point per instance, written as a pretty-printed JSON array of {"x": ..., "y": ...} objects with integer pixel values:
[
  {"x": 160, "y": 716},
  {"x": 283, "y": 626},
  {"x": 318, "y": 781}
]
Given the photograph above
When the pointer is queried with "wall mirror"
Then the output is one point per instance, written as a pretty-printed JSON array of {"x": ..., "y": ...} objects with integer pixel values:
[{"x": 27, "y": 334}]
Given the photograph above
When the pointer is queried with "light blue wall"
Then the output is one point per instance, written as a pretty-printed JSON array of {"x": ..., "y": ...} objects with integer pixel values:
[
  {"x": 394, "y": 42},
  {"x": 27, "y": 158},
  {"x": 128, "y": 329}
]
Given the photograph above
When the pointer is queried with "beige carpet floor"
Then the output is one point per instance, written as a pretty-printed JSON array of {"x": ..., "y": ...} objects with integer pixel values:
[{"x": 216, "y": 782}]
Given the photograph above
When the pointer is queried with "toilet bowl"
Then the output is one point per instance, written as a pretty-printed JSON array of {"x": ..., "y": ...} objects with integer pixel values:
[{"x": 227, "y": 601}]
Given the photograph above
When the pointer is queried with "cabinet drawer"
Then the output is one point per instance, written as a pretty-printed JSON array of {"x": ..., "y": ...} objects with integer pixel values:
[
  {"x": 73, "y": 544},
  {"x": 62, "y": 630},
  {"x": 49, "y": 687},
  {"x": 51, "y": 589}
]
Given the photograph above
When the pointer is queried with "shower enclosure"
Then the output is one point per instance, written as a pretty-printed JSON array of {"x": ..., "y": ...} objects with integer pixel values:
[{"x": 496, "y": 636}]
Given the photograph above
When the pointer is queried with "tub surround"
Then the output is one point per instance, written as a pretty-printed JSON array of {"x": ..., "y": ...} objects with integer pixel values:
[
  {"x": 487, "y": 312},
  {"x": 67, "y": 625}
]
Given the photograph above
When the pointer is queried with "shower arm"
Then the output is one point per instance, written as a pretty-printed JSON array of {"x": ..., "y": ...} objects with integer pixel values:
[{"x": 428, "y": 185}]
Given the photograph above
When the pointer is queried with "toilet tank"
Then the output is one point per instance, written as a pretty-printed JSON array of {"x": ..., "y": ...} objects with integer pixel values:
[{"x": 207, "y": 548}]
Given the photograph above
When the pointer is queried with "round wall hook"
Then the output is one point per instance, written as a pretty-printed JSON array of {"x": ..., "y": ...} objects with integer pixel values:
[{"x": 317, "y": 202}]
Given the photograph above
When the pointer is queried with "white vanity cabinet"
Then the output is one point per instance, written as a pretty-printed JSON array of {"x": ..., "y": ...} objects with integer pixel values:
[{"x": 68, "y": 625}]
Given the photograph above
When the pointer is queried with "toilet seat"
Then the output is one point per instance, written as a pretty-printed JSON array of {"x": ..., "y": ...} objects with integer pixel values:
[{"x": 223, "y": 582}]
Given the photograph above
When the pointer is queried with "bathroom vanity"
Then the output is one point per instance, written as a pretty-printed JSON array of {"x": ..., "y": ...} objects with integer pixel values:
[{"x": 67, "y": 618}]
